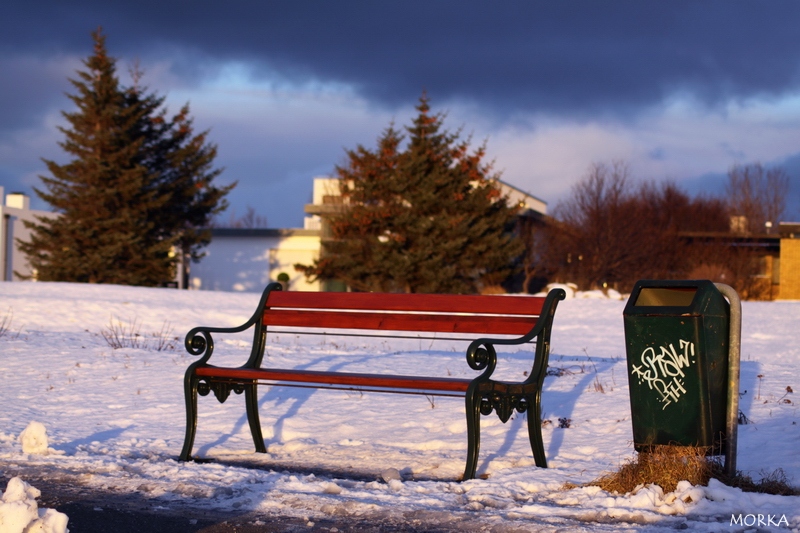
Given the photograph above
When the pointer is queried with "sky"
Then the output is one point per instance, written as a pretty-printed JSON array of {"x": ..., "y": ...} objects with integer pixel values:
[{"x": 678, "y": 90}]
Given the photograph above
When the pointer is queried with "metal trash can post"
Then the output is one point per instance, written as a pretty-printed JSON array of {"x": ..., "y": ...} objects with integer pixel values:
[
  {"x": 734, "y": 365},
  {"x": 682, "y": 345}
]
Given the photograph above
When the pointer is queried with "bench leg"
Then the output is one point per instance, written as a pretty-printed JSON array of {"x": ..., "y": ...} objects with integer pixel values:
[
  {"x": 535, "y": 429},
  {"x": 473, "y": 407},
  {"x": 190, "y": 393},
  {"x": 251, "y": 400}
]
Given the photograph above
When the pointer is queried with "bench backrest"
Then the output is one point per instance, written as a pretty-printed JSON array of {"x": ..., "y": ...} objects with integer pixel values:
[{"x": 506, "y": 315}]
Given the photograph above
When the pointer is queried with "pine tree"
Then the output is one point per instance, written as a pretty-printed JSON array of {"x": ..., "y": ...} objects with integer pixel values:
[
  {"x": 181, "y": 169},
  {"x": 138, "y": 187},
  {"x": 429, "y": 218}
]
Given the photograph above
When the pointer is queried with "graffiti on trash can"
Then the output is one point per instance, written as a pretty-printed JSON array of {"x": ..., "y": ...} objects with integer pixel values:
[{"x": 663, "y": 371}]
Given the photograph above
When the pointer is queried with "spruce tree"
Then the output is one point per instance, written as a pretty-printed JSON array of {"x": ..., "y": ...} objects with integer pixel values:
[
  {"x": 429, "y": 218},
  {"x": 136, "y": 193}
]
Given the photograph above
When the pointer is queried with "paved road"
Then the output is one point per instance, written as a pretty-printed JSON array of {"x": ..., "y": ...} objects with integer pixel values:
[{"x": 96, "y": 511}]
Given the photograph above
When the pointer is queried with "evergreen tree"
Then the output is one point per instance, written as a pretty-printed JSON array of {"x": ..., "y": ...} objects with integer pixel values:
[
  {"x": 135, "y": 195},
  {"x": 430, "y": 218}
]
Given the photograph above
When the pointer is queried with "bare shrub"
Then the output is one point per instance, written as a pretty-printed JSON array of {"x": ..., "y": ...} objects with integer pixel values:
[
  {"x": 612, "y": 231},
  {"x": 5, "y": 322},
  {"x": 716, "y": 272},
  {"x": 757, "y": 194},
  {"x": 597, "y": 386},
  {"x": 163, "y": 339},
  {"x": 119, "y": 334}
]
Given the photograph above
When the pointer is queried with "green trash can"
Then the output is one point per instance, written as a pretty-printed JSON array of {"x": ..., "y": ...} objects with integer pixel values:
[{"x": 677, "y": 337}]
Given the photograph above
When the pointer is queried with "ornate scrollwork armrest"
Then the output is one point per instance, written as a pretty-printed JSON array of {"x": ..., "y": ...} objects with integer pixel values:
[
  {"x": 199, "y": 342},
  {"x": 481, "y": 355}
]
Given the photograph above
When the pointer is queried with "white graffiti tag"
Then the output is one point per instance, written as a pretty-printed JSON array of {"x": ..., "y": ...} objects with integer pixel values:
[{"x": 663, "y": 372}]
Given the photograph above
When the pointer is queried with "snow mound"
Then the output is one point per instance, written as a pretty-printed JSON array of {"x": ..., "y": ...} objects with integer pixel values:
[
  {"x": 34, "y": 438},
  {"x": 571, "y": 289},
  {"x": 19, "y": 512}
]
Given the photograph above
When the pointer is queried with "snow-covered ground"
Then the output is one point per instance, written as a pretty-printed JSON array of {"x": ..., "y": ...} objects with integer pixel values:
[{"x": 115, "y": 418}]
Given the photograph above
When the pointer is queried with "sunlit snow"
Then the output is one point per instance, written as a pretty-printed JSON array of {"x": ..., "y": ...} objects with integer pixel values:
[{"x": 113, "y": 419}]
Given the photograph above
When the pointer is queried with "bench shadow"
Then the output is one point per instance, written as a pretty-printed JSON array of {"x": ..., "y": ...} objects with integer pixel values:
[
  {"x": 100, "y": 436},
  {"x": 281, "y": 395},
  {"x": 748, "y": 393},
  {"x": 562, "y": 402},
  {"x": 748, "y": 386},
  {"x": 327, "y": 472},
  {"x": 517, "y": 422},
  {"x": 566, "y": 406}
]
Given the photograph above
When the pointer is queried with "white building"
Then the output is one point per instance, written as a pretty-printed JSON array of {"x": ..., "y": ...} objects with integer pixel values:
[
  {"x": 243, "y": 259},
  {"x": 15, "y": 208},
  {"x": 239, "y": 259},
  {"x": 527, "y": 202}
]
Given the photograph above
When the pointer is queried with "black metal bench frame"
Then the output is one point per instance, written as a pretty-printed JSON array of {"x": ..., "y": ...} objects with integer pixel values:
[{"x": 521, "y": 319}]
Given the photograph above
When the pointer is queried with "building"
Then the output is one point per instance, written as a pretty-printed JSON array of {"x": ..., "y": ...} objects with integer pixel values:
[
  {"x": 15, "y": 209},
  {"x": 529, "y": 205},
  {"x": 789, "y": 266},
  {"x": 244, "y": 259},
  {"x": 326, "y": 199},
  {"x": 777, "y": 253},
  {"x": 247, "y": 259}
]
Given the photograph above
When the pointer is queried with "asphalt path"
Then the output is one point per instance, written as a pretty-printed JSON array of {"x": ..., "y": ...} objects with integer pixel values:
[{"x": 93, "y": 510}]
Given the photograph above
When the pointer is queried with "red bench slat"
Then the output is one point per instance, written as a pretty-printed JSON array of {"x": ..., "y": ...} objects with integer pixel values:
[
  {"x": 433, "y": 303},
  {"x": 340, "y": 379},
  {"x": 500, "y": 325}
]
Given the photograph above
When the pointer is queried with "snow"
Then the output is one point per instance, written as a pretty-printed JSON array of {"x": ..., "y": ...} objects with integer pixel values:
[
  {"x": 113, "y": 419},
  {"x": 19, "y": 512},
  {"x": 34, "y": 438}
]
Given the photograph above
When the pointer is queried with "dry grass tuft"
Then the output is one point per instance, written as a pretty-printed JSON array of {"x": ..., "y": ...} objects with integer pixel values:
[
  {"x": 770, "y": 483},
  {"x": 664, "y": 466}
]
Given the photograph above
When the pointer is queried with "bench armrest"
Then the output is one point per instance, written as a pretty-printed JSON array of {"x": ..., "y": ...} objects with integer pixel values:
[
  {"x": 481, "y": 354},
  {"x": 200, "y": 342}
]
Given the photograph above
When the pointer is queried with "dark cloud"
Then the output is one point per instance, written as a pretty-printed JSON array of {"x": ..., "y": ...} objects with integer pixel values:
[
  {"x": 582, "y": 59},
  {"x": 566, "y": 56}
]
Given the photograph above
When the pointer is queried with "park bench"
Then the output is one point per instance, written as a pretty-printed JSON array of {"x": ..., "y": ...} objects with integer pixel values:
[{"x": 510, "y": 320}]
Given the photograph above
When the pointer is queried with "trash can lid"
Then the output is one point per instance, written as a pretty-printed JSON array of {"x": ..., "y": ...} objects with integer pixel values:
[{"x": 675, "y": 297}]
